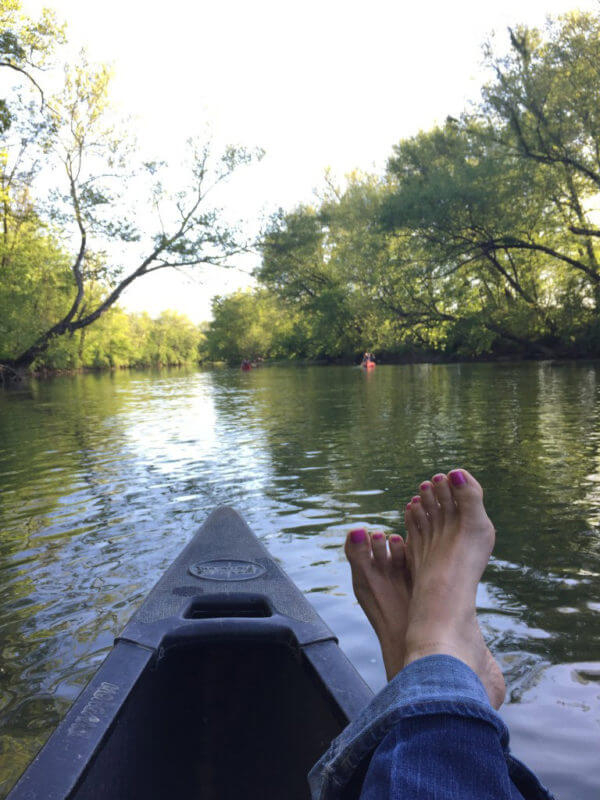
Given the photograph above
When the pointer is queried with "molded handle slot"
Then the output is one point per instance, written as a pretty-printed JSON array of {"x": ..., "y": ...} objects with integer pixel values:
[{"x": 228, "y": 606}]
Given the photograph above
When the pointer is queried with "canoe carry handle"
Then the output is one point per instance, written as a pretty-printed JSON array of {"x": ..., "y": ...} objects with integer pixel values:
[{"x": 238, "y": 604}]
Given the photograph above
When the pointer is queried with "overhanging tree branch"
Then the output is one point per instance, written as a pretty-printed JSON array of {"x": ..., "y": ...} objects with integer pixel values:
[{"x": 27, "y": 74}]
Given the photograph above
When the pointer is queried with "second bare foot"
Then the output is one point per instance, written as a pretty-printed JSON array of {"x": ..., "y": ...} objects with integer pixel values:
[
  {"x": 450, "y": 539},
  {"x": 381, "y": 584}
]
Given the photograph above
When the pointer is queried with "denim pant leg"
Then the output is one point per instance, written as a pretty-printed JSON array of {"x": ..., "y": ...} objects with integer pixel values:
[
  {"x": 440, "y": 757},
  {"x": 430, "y": 734}
]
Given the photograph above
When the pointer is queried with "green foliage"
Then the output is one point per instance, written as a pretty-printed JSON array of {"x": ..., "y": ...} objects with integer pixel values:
[
  {"x": 120, "y": 339},
  {"x": 36, "y": 289},
  {"x": 34, "y": 278},
  {"x": 26, "y": 46},
  {"x": 481, "y": 237},
  {"x": 250, "y": 325},
  {"x": 108, "y": 240},
  {"x": 324, "y": 265}
]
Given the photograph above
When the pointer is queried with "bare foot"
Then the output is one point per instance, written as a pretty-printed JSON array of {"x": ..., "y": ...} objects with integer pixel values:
[
  {"x": 381, "y": 584},
  {"x": 450, "y": 539}
]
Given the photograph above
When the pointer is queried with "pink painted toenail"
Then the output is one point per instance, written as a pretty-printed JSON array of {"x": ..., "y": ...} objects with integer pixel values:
[
  {"x": 358, "y": 535},
  {"x": 438, "y": 478},
  {"x": 395, "y": 538},
  {"x": 457, "y": 477},
  {"x": 416, "y": 499},
  {"x": 408, "y": 506},
  {"x": 378, "y": 536},
  {"x": 423, "y": 487}
]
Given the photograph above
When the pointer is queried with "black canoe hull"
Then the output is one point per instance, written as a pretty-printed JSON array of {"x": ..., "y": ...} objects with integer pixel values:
[{"x": 225, "y": 684}]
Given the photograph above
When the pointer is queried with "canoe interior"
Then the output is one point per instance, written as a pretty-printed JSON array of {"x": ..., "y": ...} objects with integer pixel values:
[
  {"x": 225, "y": 683},
  {"x": 217, "y": 721}
]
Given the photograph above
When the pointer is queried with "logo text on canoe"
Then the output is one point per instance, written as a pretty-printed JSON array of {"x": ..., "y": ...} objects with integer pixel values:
[
  {"x": 227, "y": 569},
  {"x": 99, "y": 708}
]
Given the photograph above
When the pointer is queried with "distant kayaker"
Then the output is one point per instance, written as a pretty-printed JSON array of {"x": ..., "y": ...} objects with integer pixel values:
[
  {"x": 433, "y": 731},
  {"x": 246, "y": 365}
]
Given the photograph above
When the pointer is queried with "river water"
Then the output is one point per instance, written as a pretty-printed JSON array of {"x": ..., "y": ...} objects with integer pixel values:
[{"x": 103, "y": 478}]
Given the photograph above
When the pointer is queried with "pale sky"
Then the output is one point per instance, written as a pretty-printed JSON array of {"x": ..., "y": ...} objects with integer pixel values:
[{"x": 325, "y": 83}]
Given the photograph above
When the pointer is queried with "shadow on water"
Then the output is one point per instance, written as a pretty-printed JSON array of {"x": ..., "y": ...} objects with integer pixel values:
[{"x": 104, "y": 477}]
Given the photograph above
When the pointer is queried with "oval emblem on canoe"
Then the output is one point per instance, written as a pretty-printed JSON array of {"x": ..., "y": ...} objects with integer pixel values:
[{"x": 227, "y": 569}]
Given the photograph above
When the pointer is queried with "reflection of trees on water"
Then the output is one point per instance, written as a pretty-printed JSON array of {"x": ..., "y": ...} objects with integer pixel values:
[
  {"x": 53, "y": 448},
  {"x": 529, "y": 432}
]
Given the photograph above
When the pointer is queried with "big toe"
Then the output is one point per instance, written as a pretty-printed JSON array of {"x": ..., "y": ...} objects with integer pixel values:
[
  {"x": 466, "y": 490},
  {"x": 468, "y": 497}
]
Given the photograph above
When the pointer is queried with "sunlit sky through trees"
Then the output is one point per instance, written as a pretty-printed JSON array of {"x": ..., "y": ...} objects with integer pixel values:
[{"x": 331, "y": 83}]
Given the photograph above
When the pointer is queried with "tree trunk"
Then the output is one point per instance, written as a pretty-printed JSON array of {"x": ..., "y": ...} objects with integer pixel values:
[{"x": 10, "y": 377}]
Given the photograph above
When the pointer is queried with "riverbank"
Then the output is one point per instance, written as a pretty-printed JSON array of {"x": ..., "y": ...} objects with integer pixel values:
[{"x": 9, "y": 377}]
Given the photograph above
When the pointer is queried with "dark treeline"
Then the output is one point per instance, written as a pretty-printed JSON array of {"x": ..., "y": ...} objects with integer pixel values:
[{"x": 481, "y": 239}]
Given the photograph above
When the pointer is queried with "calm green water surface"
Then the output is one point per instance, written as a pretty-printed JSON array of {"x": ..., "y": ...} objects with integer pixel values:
[{"x": 103, "y": 478}]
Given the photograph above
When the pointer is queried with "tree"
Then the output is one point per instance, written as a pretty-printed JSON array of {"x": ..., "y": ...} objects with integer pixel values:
[
  {"x": 26, "y": 47},
  {"x": 249, "y": 324},
  {"x": 473, "y": 213},
  {"x": 482, "y": 235},
  {"x": 99, "y": 206},
  {"x": 34, "y": 281},
  {"x": 544, "y": 107},
  {"x": 320, "y": 262},
  {"x": 173, "y": 339},
  {"x": 297, "y": 268}
]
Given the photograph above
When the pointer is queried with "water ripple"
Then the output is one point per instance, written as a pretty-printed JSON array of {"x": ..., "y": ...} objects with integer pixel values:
[{"x": 103, "y": 479}]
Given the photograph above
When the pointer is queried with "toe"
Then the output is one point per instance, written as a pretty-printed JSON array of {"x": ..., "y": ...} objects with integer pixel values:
[
  {"x": 358, "y": 548},
  {"x": 428, "y": 500},
  {"x": 410, "y": 522},
  {"x": 443, "y": 494},
  {"x": 462, "y": 482},
  {"x": 421, "y": 519},
  {"x": 397, "y": 553},
  {"x": 380, "y": 554},
  {"x": 466, "y": 491}
]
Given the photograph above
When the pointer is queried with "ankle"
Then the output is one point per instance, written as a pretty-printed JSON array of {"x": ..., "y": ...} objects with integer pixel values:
[
  {"x": 393, "y": 663},
  {"x": 424, "y": 648}
]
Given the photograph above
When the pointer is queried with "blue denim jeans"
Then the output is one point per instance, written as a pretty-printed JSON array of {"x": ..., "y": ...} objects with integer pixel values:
[{"x": 430, "y": 734}]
